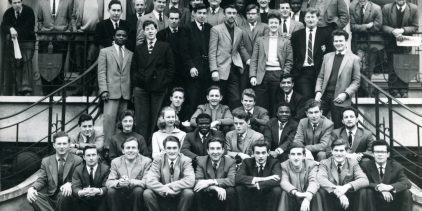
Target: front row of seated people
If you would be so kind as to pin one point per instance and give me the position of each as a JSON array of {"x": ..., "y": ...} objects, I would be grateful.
[{"x": 260, "y": 182}]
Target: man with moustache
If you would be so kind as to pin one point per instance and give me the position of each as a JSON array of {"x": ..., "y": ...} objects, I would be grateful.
[
  {"x": 215, "y": 173},
  {"x": 88, "y": 135},
  {"x": 293, "y": 99},
  {"x": 126, "y": 182},
  {"x": 170, "y": 179},
  {"x": 280, "y": 132},
  {"x": 52, "y": 191},
  {"x": 258, "y": 181},
  {"x": 89, "y": 182}
]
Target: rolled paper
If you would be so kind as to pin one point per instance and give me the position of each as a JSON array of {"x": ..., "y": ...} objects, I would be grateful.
[{"x": 16, "y": 48}]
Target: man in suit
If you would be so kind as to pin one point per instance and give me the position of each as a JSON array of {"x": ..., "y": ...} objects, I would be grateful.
[
  {"x": 263, "y": 10},
  {"x": 52, "y": 190},
  {"x": 195, "y": 143},
  {"x": 314, "y": 131},
  {"x": 309, "y": 46},
  {"x": 288, "y": 25},
  {"x": 226, "y": 52},
  {"x": 185, "y": 15},
  {"x": 105, "y": 30},
  {"x": 239, "y": 141},
  {"x": 157, "y": 16},
  {"x": 272, "y": 57},
  {"x": 258, "y": 116},
  {"x": 170, "y": 179},
  {"x": 114, "y": 81},
  {"x": 152, "y": 72},
  {"x": 299, "y": 182},
  {"x": 341, "y": 178},
  {"x": 258, "y": 181},
  {"x": 127, "y": 180},
  {"x": 54, "y": 17},
  {"x": 339, "y": 78},
  {"x": 388, "y": 185},
  {"x": 280, "y": 132},
  {"x": 215, "y": 173},
  {"x": 89, "y": 182},
  {"x": 215, "y": 14},
  {"x": 197, "y": 63},
  {"x": 359, "y": 139},
  {"x": 293, "y": 99},
  {"x": 297, "y": 13},
  {"x": 132, "y": 21},
  {"x": 88, "y": 135},
  {"x": 400, "y": 18}
]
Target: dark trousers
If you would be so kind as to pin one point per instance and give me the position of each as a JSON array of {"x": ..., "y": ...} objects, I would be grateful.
[
  {"x": 266, "y": 92},
  {"x": 196, "y": 91},
  {"x": 180, "y": 202},
  {"x": 401, "y": 201},
  {"x": 258, "y": 200},
  {"x": 147, "y": 109},
  {"x": 230, "y": 88},
  {"x": 332, "y": 203},
  {"x": 208, "y": 200},
  {"x": 327, "y": 105},
  {"x": 305, "y": 82},
  {"x": 97, "y": 203},
  {"x": 59, "y": 202},
  {"x": 125, "y": 199},
  {"x": 292, "y": 203}
]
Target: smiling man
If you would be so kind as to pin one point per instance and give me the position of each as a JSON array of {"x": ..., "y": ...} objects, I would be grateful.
[
  {"x": 287, "y": 95},
  {"x": 157, "y": 15},
  {"x": 88, "y": 136},
  {"x": 104, "y": 31},
  {"x": 258, "y": 116}
]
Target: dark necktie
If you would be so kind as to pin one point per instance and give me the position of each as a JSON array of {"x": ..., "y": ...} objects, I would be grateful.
[
  {"x": 17, "y": 15},
  {"x": 60, "y": 173},
  {"x": 91, "y": 177},
  {"x": 249, "y": 114},
  {"x": 160, "y": 16},
  {"x": 171, "y": 168},
  {"x": 314, "y": 127},
  {"x": 213, "y": 11},
  {"x": 381, "y": 173},
  {"x": 281, "y": 127},
  {"x": 54, "y": 7},
  {"x": 202, "y": 26},
  {"x": 339, "y": 170},
  {"x": 350, "y": 139},
  {"x": 261, "y": 171},
  {"x": 214, "y": 166},
  {"x": 284, "y": 26},
  {"x": 239, "y": 141},
  {"x": 400, "y": 9},
  {"x": 150, "y": 47},
  {"x": 116, "y": 26},
  {"x": 361, "y": 14},
  {"x": 287, "y": 98},
  {"x": 310, "y": 55}
]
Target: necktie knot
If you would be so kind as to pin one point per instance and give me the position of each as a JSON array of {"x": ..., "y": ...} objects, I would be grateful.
[
  {"x": 160, "y": 16},
  {"x": 261, "y": 170},
  {"x": 339, "y": 168},
  {"x": 171, "y": 167},
  {"x": 314, "y": 126},
  {"x": 381, "y": 172},
  {"x": 281, "y": 126}
]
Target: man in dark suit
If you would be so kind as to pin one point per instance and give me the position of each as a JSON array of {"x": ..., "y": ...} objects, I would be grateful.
[
  {"x": 309, "y": 46},
  {"x": 258, "y": 116},
  {"x": 152, "y": 72},
  {"x": 258, "y": 181},
  {"x": 360, "y": 140},
  {"x": 89, "y": 182},
  {"x": 105, "y": 30},
  {"x": 339, "y": 78},
  {"x": 280, "y": 132},
  {"x": 388, "y": 185},
  {"x": 197, "y": 64},
  {"x": 55, "y": 177},
  {"x": 215, "y": 173},
  {"x": 287, "y": 95},
  {"x": 185, "y": 15}
]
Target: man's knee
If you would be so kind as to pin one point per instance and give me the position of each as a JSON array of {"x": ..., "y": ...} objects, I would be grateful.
[
  {"x": 148, "y": 195},
  {"x": 138, "y": 191},
  {"x": 187, "y": 193},
  {"x": 111, "y": 192},
  {"x": 321, "y": 156},
  {"x": 275, "y": 191}
]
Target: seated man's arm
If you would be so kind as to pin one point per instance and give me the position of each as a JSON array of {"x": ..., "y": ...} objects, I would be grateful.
[
  {"x": 188, "y": 180},
  {"x": 227, "y": 117},
  {"x": 242, "y": 176},
  {"x": 153, "y": 177},
  {"x": 313, "y": 184},
  {"x": 322, "y": 177},
  {"x": 402, "y": 182},
  {"x": 76, "y": 183},
  {"x": 360, "y": 179},
  {"x": 263, "y": 118},
  {"x": 229, "y": 147},
  {"x": 275, "y": 170},
  {"x": 41, "y": 181},
  {"x": 140, "y": 180}
]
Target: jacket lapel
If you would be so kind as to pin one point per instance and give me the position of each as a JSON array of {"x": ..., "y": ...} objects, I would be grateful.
[
  {"x": 330, "y": 60},
  {"x": 210, "y": 170},
  {"x": 334, "y": 172},
  {"x": 388, "y": 171},
  {"x": 374, "y": 173},
  {"x": 67, "y": 166},
  {"x": 85, "y": 175},
  {"x": 116, "y": 56},
  {"x": 166, "y": 170},
  {"x": 226, "y": 32},
  {"x": 125, "y": 59},
  {"x": 220, "y": 169},
  {"x": 345, "y": 60},
  {"x": 266, "y": 44},
  {"x": 357, "y": 140},
  {"x": 177, "y": 168},
  {"x": 154, "y": 52},
  {"x": 53, "y": 168},
  {"x": 406, "y": 15}
]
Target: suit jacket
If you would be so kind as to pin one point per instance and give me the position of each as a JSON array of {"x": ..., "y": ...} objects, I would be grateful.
[
  {"x": 298, "y": 41},
  {"x": 393, "y": 175},
  {"x": 303, "y": 181},
  {"x": 62, "y": 21},
  {"x": 362, "y": 142},
  {"x": 104, "y": 32},
  {"x": 223, "y": 52},
  {"x": 155, "y": 71},
  {"x": 271, "y": 134},
  {"x": 113, "y": 77},
  {"x": 240, "y": 20},
  {"x": 48, "y": 174},
  {"x": 185, "y": 15},
  {"x": 351, "y": 173},
  {"x": 80, "y": 179},
  {"x": 314, "y": 141},
  {"x": 215, "y": 19},
  {"x": 250, "y": 138},
  {"x": 373, "y": 14},
  {"x": 260, "y": 116},
  {"x": 248, "y": 170},
  {"x": 332, "y": 12},
  {"x": 96, "y": 139},
  {"x": 78, "y": 12},
  {"x": 296, "y": 104},
  {"x": 140, "y": 37},
  {"x": 348, "y": 79},
  {"x": 260, "y": 57},
  {"x": 198, "y": 48},
  {"x": 225, "y": 174},
  {"x": 159, "y": 174},
  {"x": 137, "y": 173},
  {"x": 24, "y": 24},
  {"x": 249, "y": 37},
  {"x": 294, "y": 26},
  {"x": 132, "y": 22},
  {"x": 193, "y": 146},
  {"x": 221, "y": 113}
]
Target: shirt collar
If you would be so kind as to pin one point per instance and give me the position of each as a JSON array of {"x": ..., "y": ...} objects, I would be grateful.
[
  {"x": 174, "y": 161},
  {"x": 140, "y": 15},
  {"x": 20, "y": 11},
  {"x": 250, "y": 110},
  {"x": 175, "y": 6},
  {"x": 153, "y": 41},
  {"x": 290, "y": 95},
  {"x": 199, "y": 24},
  {"x": 244, "y": 134},
  {"x": 279, "y": 123},
  {"x": 342, "y": 52},
  {"x": 313, "y": 29},
  {"x": 353, "y": 131},
  {"x": 65, "y": 157},
  {"x": 201, "y": 136},
  {"x": 216, "y": 9},
  {"x": 94, "y": 169},
  {"x": 264, "y": 11},
  {"x": 263, "y": 165},
  {"x": 117, "y": 46},
  {"x": 172, "y": 29},
  {"x": 157, "y": 15},
  {"x": 218, "y": 162},
  {"x": 383, "y": 166},
  {"x": 402, "y": 7},
  {"x": 114, "y": 22},
  {"x": 342, "y": 164}
]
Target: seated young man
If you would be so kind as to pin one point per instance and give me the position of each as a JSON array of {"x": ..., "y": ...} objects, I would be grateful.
[
  {"x": 258, "y": 181},
  {"x": 88, "y": 135},
  {"x": 215, "y": 173}
]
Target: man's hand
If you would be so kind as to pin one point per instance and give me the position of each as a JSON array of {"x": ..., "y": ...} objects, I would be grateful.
[
  {"x": 193, "y": 72},
  {"x": 305, "y": 205},
  {"x": 186, "y": 123},
  {"x": 318, "y": 96},
  {"x": 274, "y": 154},
  {"x": 253, "y": 81},
  {"x": 221, "y": 192},
  {"x": 384, "y": 188},
  {"x": 356, "y": 156},
  {"x": 370, "y": 25},
  {"x": 340, "y": 98},
  {"x": 105, "y": 96},
  {"x": 248, "y": 62},
  {"x": 66, "y": 189},
  {"x": 13, "y": 32},
  {"x": 341, "y": 190},
  {"x": 32, "y": 195},
  {"x": 215, "y": 76},
  {"x": 388, "y": 197},
  {"x": 344, "y": 201},
  {"x": 215, "y": 124},
  {"x": 202, "y": 184},
  {"x": 397, "y": 32},
  {"x": 83, "y": 192},
  {"x": 168, "y": 191},
  {"x": 123, "y": 182}
]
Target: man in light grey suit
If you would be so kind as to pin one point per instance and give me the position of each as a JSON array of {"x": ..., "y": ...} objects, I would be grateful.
[
  {"x": 226, "y": 52},
  {"x": 288, "y": 25},
  {"x": 157, "y": 15},
  {"x": 338, "y": 79},
  {"x": 114, "y": 81},
  {"x": 170, "y": 179},
  {"x": 126, "y": 181}
]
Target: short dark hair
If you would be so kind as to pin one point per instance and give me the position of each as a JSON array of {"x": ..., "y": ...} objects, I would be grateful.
[
  {"x": 250, "y": 93},
  {"x": 297, "y": 144},
  {"x": 199, "y": 6},
  {"x": 114, "y": 2},
  {"x": 175, "y": 10},
  {"x": 149, "y": 22},
  {"x": 312, "y": 103},
  {"x": 274, "y": 14},
  {"x": 251, "y": 7},
  {"x": 215, "y": 139},
  {"x": 128, "y": 140},
  {"x": 287, "y": 75},
  {"x": 177, "y": 89},
  {"x": 380, "y": 143},
  {"x": 312, "y": 10},
  {"x": 59, "y": 135},
  {"x": 340, "y": 32},
  {"x": 214, "y": 87},
  {"x": 89, "y": 147},
  {"x": 10, "y": 1},
  {"x": 121, "y": 28},
  {"x": 84, "y": 117},
  {"x": 123, "y": 115},
  {"x": 229, "y": 6},
  {"x": 349, "y": 108},
  {"x": 241, "y": 114},
  {"x": 260, "y": 143},
  {"x": 281, "y": 104},
  {"x": 340, "y": 142},
  {"x": 203, "y": 116},
  {"x": 171, "y": 139}
]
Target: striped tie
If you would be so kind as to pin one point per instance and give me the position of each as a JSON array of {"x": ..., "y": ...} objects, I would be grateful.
[
  {"x": 150, "y": 47},
  {"x": 310, "y": 59}
]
